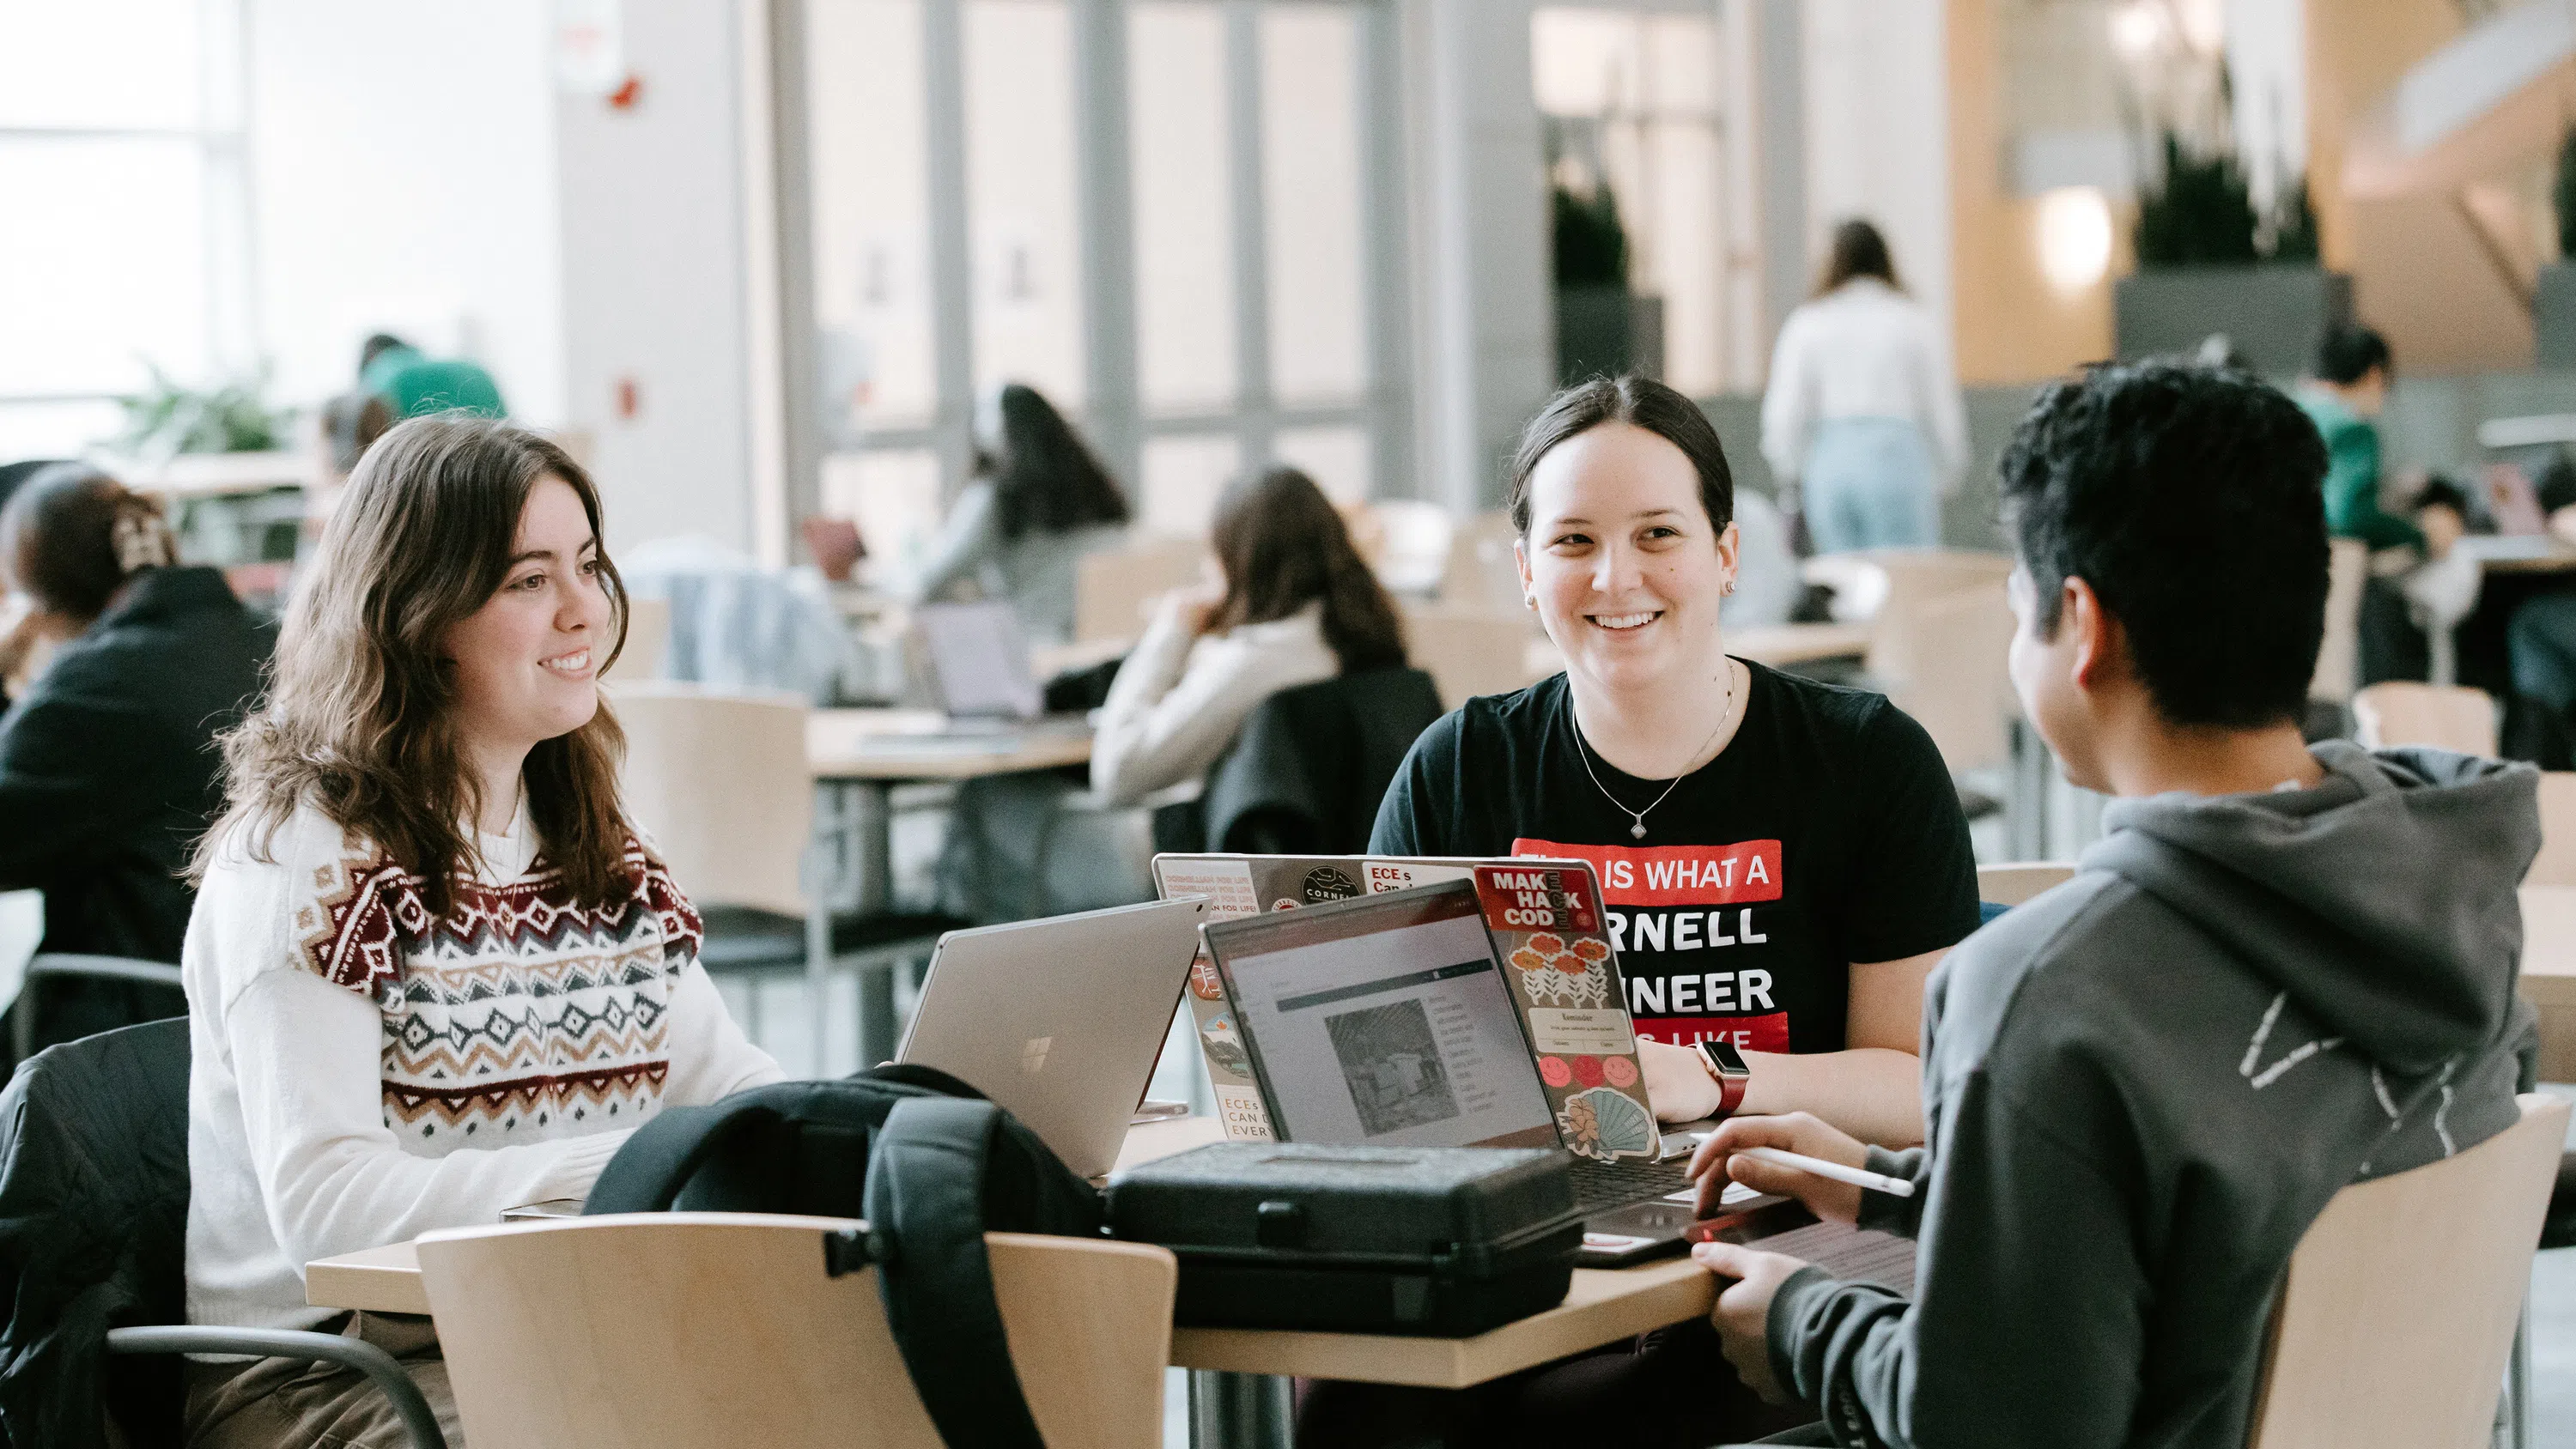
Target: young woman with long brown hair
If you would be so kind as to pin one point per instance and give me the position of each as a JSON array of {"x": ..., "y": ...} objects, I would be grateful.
[
  {"x": 1298, "y": 605},
  {"x": 433, "y": 972}
]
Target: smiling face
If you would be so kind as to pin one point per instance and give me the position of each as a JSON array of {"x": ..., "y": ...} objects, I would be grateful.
[
  {"x": 1622, "y": 559},
  {"x": 525, "y": 666}
]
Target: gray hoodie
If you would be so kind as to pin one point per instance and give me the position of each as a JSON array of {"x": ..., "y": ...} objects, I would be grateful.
[{"x": 2140, "y": 1088}]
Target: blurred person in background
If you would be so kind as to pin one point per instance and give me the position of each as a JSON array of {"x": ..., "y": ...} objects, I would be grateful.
[
  {"x": 1862, "y": 421},
  {"x": 2343, "y": 395},
  {"x": 106, "y": 768},
  {"x": 413, "y": 383},
  {"x": 1039, "y": 501},
  {"x": 1297, "y": 604},
  {"x": 343, "y": 428}
]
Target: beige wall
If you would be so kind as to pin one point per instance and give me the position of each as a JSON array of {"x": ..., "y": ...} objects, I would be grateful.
[{"x": 2012, "y": 325}]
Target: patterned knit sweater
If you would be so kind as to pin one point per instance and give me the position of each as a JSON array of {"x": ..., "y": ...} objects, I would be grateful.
[{"x": 364, "y": 1071}]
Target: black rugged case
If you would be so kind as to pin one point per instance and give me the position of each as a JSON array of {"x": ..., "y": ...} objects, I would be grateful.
[{"x": 1434, "y": 1242}]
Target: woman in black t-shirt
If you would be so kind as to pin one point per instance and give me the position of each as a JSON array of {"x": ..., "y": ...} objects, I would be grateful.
[{"x": 1784, "y": 861}]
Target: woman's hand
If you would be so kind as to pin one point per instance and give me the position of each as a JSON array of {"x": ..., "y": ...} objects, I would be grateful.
[
  {"x": 1193, "y": 606},
  {"x": 1677, "y": 1082},
  {"x": 1716, "y": 1163}
]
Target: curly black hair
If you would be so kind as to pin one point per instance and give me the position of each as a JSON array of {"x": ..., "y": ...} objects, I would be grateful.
[{"x": 2190, "y": 499}]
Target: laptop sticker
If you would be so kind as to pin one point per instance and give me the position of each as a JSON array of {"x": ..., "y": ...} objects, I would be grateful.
[{"x": 1546, "y": 922}]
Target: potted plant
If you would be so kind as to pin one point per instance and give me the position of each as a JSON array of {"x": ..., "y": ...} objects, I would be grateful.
[{"x": 2210, "y": 264}]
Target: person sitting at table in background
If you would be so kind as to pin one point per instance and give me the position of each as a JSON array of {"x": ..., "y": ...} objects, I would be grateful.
[
  {"x": 1862, "y": 421},
  {"x": 2252, "y": 956},
  {"x": 106, "y": 771},
  {"x": 1296, "y": 604},
  {"x": 2344, "y": 394},
  {"x": 433, "y": 972},
  {"x": 1039, "y": 501},
  {"x": 1782, "y": 862},
  {"x": 2540, "y": 637},
  {"x": 343, "y": 429}
]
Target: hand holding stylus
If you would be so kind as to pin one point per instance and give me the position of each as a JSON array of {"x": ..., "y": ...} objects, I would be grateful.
[{"x": 1724, "y": 1155}]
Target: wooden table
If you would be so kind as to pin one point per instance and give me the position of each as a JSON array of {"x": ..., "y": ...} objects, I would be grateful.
[
  {"x": 857, "y": 757},
  {"x": 1603, "y": 1306},
  {"x": 2549, "y": 974}
]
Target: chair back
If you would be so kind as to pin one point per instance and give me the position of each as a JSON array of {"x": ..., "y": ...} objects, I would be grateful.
[
  {"x": 107, "y": 1226},
  {"x": 1307, "y": 773},
  {"x": 2556, "y": 863},
  {"x": 2441, "y": 716},
  {"x": 1469, "y": 652},
  {"x": 720, "y": 783},
  {"x": 2339, "y": 658},
  {"x": 1114, "y": 587},
  {"x": 648, "y": 639},
  {"x": 1944, "y": 658},
  {"x": 2010, "y": 885},
  {"x": 681, "y": 1330},
  {"x": 2398, "y": 1312},
  {"x": 1480, "y": 576}
]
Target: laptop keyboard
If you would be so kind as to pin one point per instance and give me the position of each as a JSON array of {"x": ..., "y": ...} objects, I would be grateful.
[{"x": 1599, "y": 1186}]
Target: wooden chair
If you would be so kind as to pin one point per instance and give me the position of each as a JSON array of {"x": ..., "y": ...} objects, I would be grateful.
[
  {"x": 2010, "y": 885},
  {"x": 2339, "y": 658},
  {"x": 648, "y": 639},
  {"x": 2397, "y": 1317},
  {"x": 720, "y": 782},
  {"x": 1944, "y": 659},
  {"x": 1470, "y": 652},
  {"x": 687, "y": 1330},
  {"x": 2556, "y": 863},
  {"x": 2442, "y": 716},
  {"x": 1480, "y": 577},
  {"x": 1114, "y": 587}
]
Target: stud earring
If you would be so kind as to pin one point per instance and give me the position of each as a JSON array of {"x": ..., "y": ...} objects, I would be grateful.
[{"x": 1530, "y": 599}]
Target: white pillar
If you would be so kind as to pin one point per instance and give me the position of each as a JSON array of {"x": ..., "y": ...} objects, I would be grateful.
[{"x": 1488, "y": 336}]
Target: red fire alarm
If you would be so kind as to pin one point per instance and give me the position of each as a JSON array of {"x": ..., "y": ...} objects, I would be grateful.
[{"x": 624, "y": 97}]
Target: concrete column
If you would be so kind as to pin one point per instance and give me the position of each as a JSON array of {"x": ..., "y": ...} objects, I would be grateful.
[{"x": 1487, "y": 360}]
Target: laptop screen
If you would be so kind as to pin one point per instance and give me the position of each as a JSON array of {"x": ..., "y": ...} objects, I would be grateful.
[
  {"x": 1383, "y": 1020},
  {"x": 979, "y": 660}
]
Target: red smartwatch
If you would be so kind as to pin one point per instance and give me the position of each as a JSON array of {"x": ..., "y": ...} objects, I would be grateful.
[{"x": 1727, "y": 1065}]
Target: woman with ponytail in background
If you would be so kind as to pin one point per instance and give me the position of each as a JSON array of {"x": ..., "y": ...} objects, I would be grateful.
[
  {"x": 122, "y": 668},
  {"x": 1298, "y": 605}
]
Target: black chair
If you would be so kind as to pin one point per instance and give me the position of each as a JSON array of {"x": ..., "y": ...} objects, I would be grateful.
[
  {"x": 93, "y": 1241},
  {"x": 1305, "y": 775},
  {"x": 60, "y": 967}
]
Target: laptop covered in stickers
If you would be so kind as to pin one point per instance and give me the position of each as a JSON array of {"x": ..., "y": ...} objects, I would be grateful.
[{"x": 1482, "y": 1007}]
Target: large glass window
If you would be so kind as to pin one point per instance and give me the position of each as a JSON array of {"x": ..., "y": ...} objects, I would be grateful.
[
  {"x": 1234, "y": 288},
  {"x": 120, "y": 147}
]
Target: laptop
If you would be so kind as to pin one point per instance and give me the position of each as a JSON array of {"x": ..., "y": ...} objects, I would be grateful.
[
  {"x": 975, "y": 658},
  {"x": 1059, "y": 1020},
  {"x": 1385, "y": 1020}
]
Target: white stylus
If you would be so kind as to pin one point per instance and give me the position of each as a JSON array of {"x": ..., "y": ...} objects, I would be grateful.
[{"x": 1856, "y": 1176}]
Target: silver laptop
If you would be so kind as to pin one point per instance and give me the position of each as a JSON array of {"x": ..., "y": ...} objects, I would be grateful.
[
  {"x": 977, "y": 660},
  {"x": 1060, "y": 1020}
]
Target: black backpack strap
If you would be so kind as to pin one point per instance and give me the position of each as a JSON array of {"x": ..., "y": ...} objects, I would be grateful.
[
  {"x": 925, "y": 1198},
  {"x": 928, "y": 1079},
  {"x": 647, "y": 1173}
]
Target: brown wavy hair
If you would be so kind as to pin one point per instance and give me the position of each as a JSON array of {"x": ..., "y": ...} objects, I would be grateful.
[
  {"x": 1282, "y": 547},
  {"x": 358, "y": 722}
]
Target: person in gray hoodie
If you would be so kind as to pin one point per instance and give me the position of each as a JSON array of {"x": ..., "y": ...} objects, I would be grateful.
[{"x": 2284, "y": 969}]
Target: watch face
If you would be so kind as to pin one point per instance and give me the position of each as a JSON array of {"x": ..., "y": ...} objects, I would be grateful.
[{"x": 1724, "y": 1056}]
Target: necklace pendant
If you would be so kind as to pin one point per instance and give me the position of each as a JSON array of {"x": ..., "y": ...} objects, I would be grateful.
[{"x": 1638, "y": 830}]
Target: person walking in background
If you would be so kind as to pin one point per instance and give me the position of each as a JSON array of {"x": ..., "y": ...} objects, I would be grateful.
[
  {"x": 1862, "y": 422},
  {"x": 2343, "y": 395},
  {"x": 1039, "y": 501},
  {"x": 106, "y": 775}
]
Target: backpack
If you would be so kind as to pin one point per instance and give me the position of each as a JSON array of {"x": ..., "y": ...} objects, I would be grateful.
[{"x": 928, "y": 1163}]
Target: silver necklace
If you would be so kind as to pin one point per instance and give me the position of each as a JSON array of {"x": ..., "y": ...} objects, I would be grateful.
[{"x": 1637, "y": 818}]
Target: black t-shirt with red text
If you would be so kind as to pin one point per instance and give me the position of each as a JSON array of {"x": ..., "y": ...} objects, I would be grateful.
[{"x": 1827, "y": 832}]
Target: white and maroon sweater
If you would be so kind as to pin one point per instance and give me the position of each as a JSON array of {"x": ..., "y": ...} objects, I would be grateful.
[{"x": 364, "y": 1071}]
